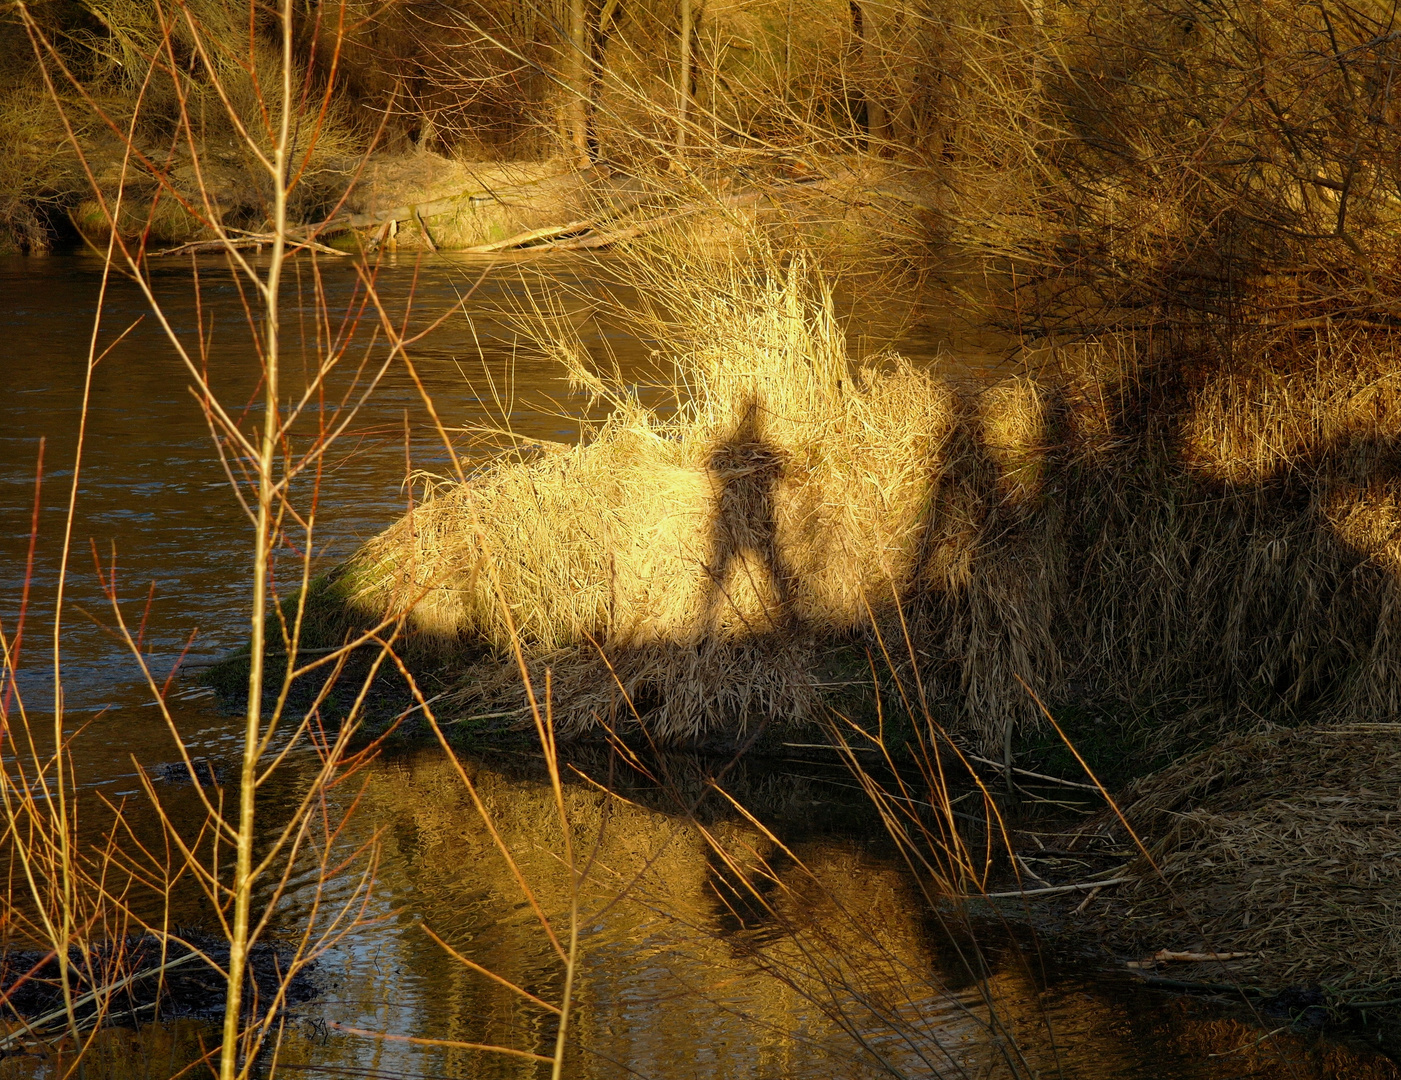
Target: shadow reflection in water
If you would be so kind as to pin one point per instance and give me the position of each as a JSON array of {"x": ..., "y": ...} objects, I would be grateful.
[
  {"x": 840, "y": 971},
  {"x": 711, "y": 948}
]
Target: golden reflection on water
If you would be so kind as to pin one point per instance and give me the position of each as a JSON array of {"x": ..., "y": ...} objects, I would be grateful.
[
  {"x": 840, "y": 971},
  {"x": 832, "y": 965}
]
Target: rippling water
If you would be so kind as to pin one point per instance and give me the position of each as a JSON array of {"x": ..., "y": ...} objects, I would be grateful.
[{"x": 846, "y": 972}]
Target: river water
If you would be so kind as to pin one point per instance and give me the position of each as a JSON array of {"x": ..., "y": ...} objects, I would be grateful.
[{"x": 846, "y": 971}]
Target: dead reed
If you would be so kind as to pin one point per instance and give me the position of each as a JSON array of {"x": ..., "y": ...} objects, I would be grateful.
[
  {"x": 701, "y": 556},
  {"x": 99, "y": 914},
  {"x": 1175, "y": 545},
  {"x": 1279, "y": 847}
]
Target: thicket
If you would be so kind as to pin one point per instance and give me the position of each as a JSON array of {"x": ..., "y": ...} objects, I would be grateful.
[
  {"x": 751, "y": 87},
  {"x": 1184, "y": 518},
  {"x": 1119, "y": 163}
]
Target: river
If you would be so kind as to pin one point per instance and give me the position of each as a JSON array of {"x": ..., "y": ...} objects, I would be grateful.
[{"x": 846, "y": 971}]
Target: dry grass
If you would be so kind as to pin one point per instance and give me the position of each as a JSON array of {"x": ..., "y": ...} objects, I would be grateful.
[
  {"x": 187, "y": 82},
  {"x": 1281, "y": 845},
  {"x": 37, "y": 171},
  {"x": 1236, "y": 530},
  {"x": 703, "y": 554},
  {"x": 1183, "y": 548}
]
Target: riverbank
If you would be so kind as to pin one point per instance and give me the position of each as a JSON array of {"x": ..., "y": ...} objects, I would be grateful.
[
  {"x": 1174, "y": 556},
  {"x": 1274, "y": 851},
  {"x": 422, "y": 201},
  {"x": 1161, "y": 550}
]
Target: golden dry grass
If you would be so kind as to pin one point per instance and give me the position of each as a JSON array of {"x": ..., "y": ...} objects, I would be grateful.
[
  {"x": 703, "y": 554},
  {"x": 1184, "y": 546}
]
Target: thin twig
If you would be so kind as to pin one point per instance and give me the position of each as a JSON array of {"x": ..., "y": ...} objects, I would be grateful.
[{"x": 1079, "y": 886}]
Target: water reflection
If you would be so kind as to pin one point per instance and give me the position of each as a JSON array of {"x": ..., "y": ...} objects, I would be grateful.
[
  {"x": 154, "y": 494},
  {"x": 842, "y": 972}
]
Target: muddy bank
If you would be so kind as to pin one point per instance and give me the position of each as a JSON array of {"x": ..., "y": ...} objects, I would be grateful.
[{"x": 422, "y": 201}]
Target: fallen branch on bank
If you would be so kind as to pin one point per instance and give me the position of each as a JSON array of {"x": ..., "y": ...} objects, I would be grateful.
[
  {"x": 431, "y": 208},
  {"x": 1163, "y": 956},
  {"x": 1000, "y": 767},
  {"x": 550, "y": 232},
  {"x": 1079, "y": 886},
  {"x": 415, "y": 212},
  {"x": 582, "y": 234}
]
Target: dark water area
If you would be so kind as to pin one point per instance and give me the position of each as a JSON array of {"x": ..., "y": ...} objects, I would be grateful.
[
  {"x": 844, "y": 971},
  {"x": 153, "y": 491}
]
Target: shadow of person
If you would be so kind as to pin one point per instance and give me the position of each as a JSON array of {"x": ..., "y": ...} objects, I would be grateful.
[{"x": 749, "y": 582}]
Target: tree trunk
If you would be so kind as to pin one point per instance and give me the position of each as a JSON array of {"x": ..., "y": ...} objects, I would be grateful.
[
  {"x": 576, "y": 80},
  {"x": 602, "y": 33},
  {"x": 868, "y": 60}
]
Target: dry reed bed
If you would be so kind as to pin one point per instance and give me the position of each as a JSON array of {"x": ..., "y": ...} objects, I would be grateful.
[
  {"x": 1281, "y": 845},
  {"x": 1186, "y": 546},
  {"x": 704, "y": 555}
]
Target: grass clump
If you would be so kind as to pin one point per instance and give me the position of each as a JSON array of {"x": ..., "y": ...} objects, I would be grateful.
[
  {"x": 1162, "y": 546},
  {"x": 190, "y": 87},
  {"x": 1277, "y": 846},
  {"x": 694, "y": 561}
]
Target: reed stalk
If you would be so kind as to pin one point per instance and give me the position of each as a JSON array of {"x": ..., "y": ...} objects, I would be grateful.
[
  {"x": 240, "y": 861},
  {"x": 254, "y": 737}
]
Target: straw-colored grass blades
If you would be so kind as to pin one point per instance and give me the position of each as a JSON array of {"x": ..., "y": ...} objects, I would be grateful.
[
  {"x": 1280, "y": 847},
  {"x": 1178, "y": 544},
  {"x": 703, "y": 556}
]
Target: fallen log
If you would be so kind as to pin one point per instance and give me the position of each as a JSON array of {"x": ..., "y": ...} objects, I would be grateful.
[
  {"x": 530, "y": 236},
  {"x": 243, "y": 243},
  {"x": 582, "y": 234},
  {"x": 1164, "y": 956}
]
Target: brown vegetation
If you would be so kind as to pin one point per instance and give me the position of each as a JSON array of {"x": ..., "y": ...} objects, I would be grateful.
[
  {"x": 427, "y": 90},
  {"x": 1179, "y": 519},
  {"x": 1277, "y": 849},
  {"x": 704, "y": 554},
  {"x": 1180, "y": 548},
  {"x": 1138, "y": 162}
]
